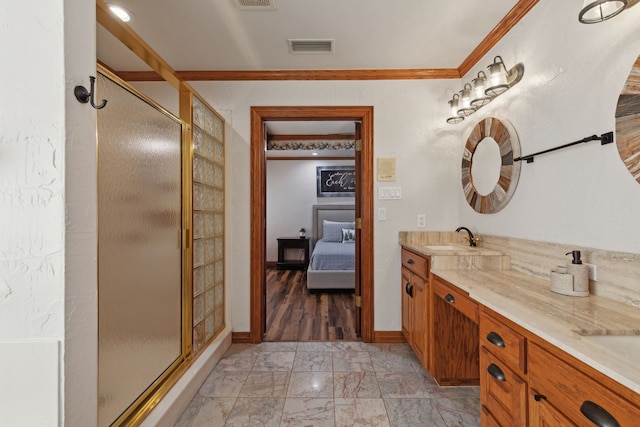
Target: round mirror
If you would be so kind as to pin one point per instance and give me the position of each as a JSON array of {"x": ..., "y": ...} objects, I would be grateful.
[
  {"x": 489, "y": 174},
  {"x": 485, "y": 166},
  {"x": 628, "y": 122}
]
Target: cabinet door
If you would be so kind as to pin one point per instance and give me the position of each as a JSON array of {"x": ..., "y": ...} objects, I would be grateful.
[
  {"x": 419, "y": 318},
  {"x": 406, "y": 304},
  {"x": 502, "y": 391},
  {"x": 542, "y": 414},
  {"x": 577, "y": 393},
  {"x": 486, "y": 419},
  {"x": 455, "y": 344}
]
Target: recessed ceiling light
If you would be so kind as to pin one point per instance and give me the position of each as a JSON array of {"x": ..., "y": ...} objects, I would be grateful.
[
  {"x": 120, "y": 12},
  {"x": 314, "y": 154}
]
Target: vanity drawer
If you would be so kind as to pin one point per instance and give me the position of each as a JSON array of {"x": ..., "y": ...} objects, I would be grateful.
[
  {"x": 416, "y": 263},
  {"x": 456, "y": 298},
  {"x": 574, "y": 392},
  {"x": 501, "y": 340},
  {"x": 503, "y": 392}
]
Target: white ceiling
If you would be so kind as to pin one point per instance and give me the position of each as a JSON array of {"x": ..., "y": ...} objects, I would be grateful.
[{"x": 369, "y": 34}]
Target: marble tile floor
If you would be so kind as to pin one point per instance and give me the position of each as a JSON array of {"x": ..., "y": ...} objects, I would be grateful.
[{"x": 327, "y": 384}]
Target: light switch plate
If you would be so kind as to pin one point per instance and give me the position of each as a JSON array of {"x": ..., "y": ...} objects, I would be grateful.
[
  {"x": 382, "y": 214},
  {"x": 389, "y": 193}
]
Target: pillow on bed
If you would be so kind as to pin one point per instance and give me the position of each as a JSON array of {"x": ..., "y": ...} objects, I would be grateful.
[
  {"x": 348, "y": 235},
  {"x": 332, "y": 230}
]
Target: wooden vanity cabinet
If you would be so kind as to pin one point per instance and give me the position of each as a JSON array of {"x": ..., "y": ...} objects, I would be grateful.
[
  {"x": 415, "y": 271},
  {"x": 503, "y": 386},
  {"x": 526, "y": 381},
  {"x": 454, "y": 335},
  {"x": 564, "y": 391}
]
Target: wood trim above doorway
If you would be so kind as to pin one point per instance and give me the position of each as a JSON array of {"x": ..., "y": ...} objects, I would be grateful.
[{"x": 362, "y": 114}]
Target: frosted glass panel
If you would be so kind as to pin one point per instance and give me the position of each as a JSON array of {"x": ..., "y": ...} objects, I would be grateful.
[{"x": 139, "y": 257}]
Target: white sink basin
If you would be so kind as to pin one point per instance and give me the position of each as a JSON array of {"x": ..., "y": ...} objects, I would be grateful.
[{"x": 445, "y": 247}]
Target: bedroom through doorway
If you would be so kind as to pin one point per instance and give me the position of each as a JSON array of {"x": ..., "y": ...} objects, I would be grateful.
[
  {"x": 291, "y": 189},
  {"x": 310, "y": 231}
]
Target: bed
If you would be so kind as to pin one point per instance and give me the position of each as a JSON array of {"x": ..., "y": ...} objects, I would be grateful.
[{"x": 332, "y": 261}]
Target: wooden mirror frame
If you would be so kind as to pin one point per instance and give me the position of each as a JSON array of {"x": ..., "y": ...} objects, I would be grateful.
[
  {"x": 505, "y": 136},
  {"x": 628, "y": 122}
]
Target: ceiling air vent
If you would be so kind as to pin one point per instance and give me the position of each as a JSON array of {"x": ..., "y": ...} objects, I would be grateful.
[
  {"x": 311, "y": 46},
  {"x": 256, "y": 4}
]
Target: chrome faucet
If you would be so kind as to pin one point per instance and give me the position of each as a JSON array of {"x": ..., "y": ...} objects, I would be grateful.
[{"x": 472, "y": 240}]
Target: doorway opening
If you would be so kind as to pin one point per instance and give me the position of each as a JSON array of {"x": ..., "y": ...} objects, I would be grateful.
[
  {"x": 363, "y": 207},
  {"x": 310, "y": 283}
]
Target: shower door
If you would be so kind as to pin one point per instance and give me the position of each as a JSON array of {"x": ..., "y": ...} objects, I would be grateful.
[{"x": 140, "y": 339}]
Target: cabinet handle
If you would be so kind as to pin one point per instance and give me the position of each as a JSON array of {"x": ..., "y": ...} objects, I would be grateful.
[
  {"x": 409, "y": 261},
  {"x": 407, "y": 288},
  {"x": 496, "y": 372},
  {"x": 495, "y": 339},
  {"x": 449, "y": 298},
  {"x": 411, "y": 291},
  {"x": 539, "y": 397},
  {"x": 598, "y": 415}
]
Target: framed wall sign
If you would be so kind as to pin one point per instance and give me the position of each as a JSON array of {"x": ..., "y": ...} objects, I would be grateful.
[{"x": 336, "y": 181}]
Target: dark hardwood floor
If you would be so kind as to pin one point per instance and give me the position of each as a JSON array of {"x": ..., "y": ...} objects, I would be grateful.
[{"x": 296, "y": 314}]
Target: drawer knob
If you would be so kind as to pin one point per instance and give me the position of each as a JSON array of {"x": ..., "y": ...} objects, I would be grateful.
[
  {"x": 409, "y": 289},
  {"x": 495, "y": 339},
  {"x": 496, "y": 372},
  {"x": 409, "y": 261},
  {"x": 598, "y": 415},
  {"x": 539, "y": 397},
  {"x": 449, "y": 298}
]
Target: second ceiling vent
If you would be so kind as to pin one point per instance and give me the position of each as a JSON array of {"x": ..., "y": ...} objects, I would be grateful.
[
  {"x": 311, "y": 45},
  {"x": 256, "y": 4}
]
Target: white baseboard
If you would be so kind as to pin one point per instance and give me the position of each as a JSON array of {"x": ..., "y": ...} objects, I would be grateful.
[{"x": 29, "y": 383}]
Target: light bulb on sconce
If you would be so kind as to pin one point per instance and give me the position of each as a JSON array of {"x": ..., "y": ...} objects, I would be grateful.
[
  {"x": 497, "y": 78},
  {"x": 453, "y": 107},
  {"x": 479, "y": 98},
  {"x": 465, "y": 108}
]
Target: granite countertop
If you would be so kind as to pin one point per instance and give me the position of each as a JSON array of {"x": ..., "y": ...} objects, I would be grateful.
[{"x": 601, "y": 332}]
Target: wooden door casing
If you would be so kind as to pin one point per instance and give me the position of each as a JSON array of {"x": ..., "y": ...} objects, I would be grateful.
[{"x": 362, "y": 114}]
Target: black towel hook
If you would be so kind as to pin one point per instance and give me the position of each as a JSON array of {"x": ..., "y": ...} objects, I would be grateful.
[{"x": 84, "y": 96}]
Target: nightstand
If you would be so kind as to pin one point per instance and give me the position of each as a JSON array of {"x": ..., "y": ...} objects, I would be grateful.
[{"x": 293, "y": 253}]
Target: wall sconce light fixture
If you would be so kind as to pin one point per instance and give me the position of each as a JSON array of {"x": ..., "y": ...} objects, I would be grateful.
[
  {"x": 465, "y": 108},
  {"x": 453, "y": 107},
  {"x": 594, "y": 11},
  {"x": 483, "y": 89},
  {"x": 480, "y": 98}
]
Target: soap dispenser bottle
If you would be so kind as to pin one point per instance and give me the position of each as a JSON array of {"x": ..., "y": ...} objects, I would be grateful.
[{"x": 580, "y": 273}]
